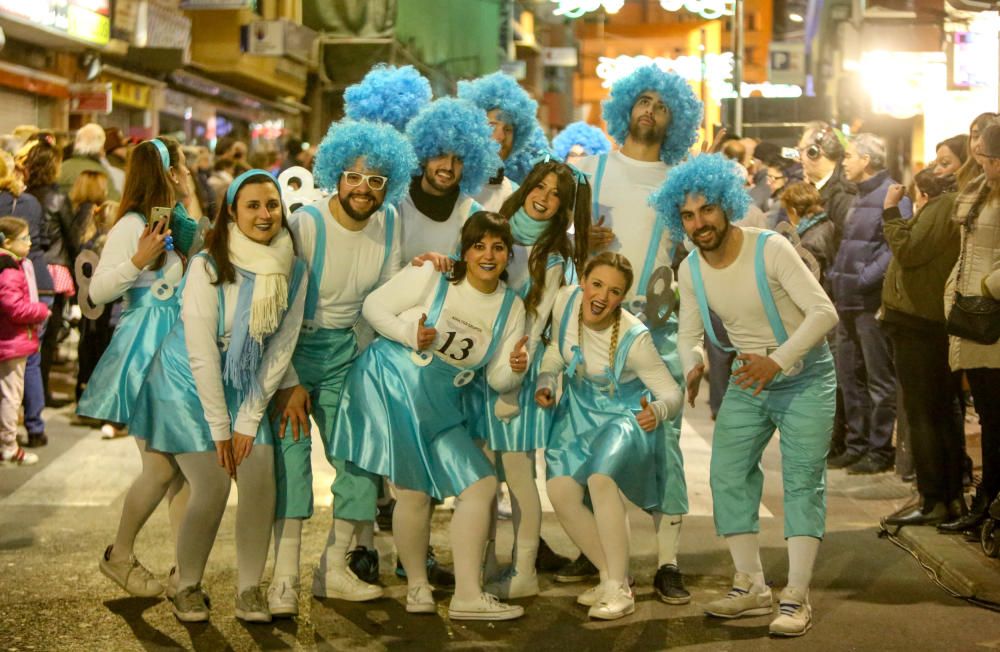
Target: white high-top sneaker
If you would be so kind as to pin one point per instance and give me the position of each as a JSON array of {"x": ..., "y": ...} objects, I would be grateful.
[{"x": 342, "y": 584}]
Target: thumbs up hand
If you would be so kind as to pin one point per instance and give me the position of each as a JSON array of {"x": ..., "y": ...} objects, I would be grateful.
[
  {"x": 647, "y": 417},
  {"x": 600, "y": 235},
  {"x": 519, "y": 356},
  {"x": 425, "y": 335}
]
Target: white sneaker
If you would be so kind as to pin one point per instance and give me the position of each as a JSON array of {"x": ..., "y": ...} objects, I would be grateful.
[
  {"x": 513, "y": 585},
  {"x": 251, "y": 606},
  {"x": 741, "y": 601},
  {"x": 283, "y": 597},
  {"x": 795, "y": 614},
  {"x": 19, "y": 457},
  {"x": 191, "y": 605},
  {"x": 420, "y": 600},
  {"x": 591, "y": 596},
  {"x": 616, "y": 602},
  {"x": 130, "y": 575},
  {"x": 484, "y": 607},
  {"x": 342, "y": 584}
]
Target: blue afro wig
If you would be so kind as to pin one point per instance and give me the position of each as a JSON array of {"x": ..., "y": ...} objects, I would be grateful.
[
  {"x": 459, "y": 127},
  {"x": 712, "y": 176},
  {"x": 517, "y": 166},
  {"x": 383, "y": 148},
  {"x": 388, "y": 94},
  {"x": 500, "y": 91},
  {"x": 587, "y": 136},
  {"x": 685, "y": 109}
]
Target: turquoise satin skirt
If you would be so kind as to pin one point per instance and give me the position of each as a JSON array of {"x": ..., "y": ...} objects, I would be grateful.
[
  {"x": 595, "y": 432},
  {"x": 527, "y": 431},
  {"x": 168, "y": 412},
  {"x": 405, "y": 422},
  {"x": 114, "y": 386}
]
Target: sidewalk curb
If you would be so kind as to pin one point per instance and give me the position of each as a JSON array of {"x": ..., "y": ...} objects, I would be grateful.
[{"x": 959, "y": 564}]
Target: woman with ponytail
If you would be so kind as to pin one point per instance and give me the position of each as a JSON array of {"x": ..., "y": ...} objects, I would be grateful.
[
  {"x": 552, "y": 202},
  {"x": 204, "y": 398},
  {"x": 616, "y": 392},
  {"x": 140, "y": 265}
]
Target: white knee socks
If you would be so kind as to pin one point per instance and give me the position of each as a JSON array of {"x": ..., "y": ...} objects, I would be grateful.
[
  {"x": 668, "y": 537},
  {"x": 338, "y": 541},
  {"x": 801, "y": 559},
  {"x": 745, "y": 550},
  {"x": 287, "y": 547}
]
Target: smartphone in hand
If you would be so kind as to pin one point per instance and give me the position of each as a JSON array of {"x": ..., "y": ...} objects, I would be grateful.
[{"x": 160, "y": 213}]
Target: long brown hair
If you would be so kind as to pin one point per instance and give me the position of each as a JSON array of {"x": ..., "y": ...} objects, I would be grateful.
[
  {"x": 147, "y": 184},
  {"x": 574, "y": 208},
  {"x": 479, "y": 225},
  {"x": 217, "y": 239},
  {"x": 971, "y": 168},
  {"x": 622, "y": 264}
]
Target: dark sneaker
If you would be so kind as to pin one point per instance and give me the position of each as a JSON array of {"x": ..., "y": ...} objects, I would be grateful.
[
  {"x": 578, "y": 570},
  {"x": 548, "y": 560},
  {"x": 37, "y": 440},
  {"x": 364, "y": 563},
  {"x": 843, "y": 460},
  {"x": 437, "y": 574},
  {"x": 669, "y": 585},
  {"x": 383, "y": 517},
  {"x": 868, "y": 465}
]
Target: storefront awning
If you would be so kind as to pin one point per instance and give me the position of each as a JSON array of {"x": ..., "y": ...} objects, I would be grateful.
[{"x": 33, "y": 81}]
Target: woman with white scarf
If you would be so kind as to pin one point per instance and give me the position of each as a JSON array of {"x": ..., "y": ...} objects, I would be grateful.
[{"x": 204, "y": 399}]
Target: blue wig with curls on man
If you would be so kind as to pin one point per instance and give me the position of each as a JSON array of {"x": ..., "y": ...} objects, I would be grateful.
[
  {"x": 685, "y": 109},
  {"x": 500, "y": 91},
  {"x": 517, "y": 166},
  {"x": 452, "y": 126},
  {"x": 383, "y": 148},
  {"x": 712, "y": 176},
  {"x": 388, "y": 94},
  {"x": 590, "y": 138}
]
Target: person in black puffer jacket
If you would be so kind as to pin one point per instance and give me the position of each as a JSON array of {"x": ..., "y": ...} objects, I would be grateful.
[{"x": 864, "y": 359}]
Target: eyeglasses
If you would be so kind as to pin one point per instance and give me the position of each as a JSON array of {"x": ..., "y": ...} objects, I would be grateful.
[{"x": 374, "y": 181}]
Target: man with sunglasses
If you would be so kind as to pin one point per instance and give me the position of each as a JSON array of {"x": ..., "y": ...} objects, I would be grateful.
[
  {"x": 351, "y": 244},
  {"x": 457, "y": 155}
]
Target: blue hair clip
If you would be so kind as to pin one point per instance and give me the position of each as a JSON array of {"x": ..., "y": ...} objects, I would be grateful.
[
  {"x": 162, "y": 150},
  {"x": 580, "y": 176},
  {"x": 234, "y": 187},
  {"x": 545, "y": 157}
]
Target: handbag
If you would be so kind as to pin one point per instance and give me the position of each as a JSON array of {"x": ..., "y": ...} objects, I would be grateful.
[
  {"x": 973, "y": 318},
  {"x": 62, "y": 280}
]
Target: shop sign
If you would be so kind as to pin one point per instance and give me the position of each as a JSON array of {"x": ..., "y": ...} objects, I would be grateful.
[
  {"x": 86, "y": 20},
  {"x": 90, "y": 98},
  {"x": 707, "y": 9},
  {"x": 559, "y": 57},
  {"x": 786, "y": 63},
  {"x": 130, "y": 94},
  {"x": 517, "y": 68},
  {"x": 577, "y": 8},
  {"x": 278, "y": 38}
]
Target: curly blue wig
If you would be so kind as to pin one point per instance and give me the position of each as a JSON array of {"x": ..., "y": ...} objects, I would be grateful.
[
  {"x": 388, "y": 94},
  {"x": 500, "y": 91},
  {"x": 712, "y": 176},
  {"x": 685, "y": 109},
  {"x": 449, "y": 125},
  {"x": 517, "y": 166},
  {"x": 383, "y": 148},
  {"x": 591, "y": 138}
]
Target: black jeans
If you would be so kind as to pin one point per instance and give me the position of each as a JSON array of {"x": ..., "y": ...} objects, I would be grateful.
[
  {"x": 985, "y": 385},
  {"x": 928, "y": 391}
]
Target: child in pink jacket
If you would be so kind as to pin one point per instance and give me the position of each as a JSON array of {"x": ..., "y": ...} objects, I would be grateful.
[{"x": 20, "y": 315}]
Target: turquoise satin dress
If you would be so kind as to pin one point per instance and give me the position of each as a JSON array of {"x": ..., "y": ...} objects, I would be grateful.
[
  {"x": 401, "y": 413},
  {"x": 149, "y": 315},
  {"x": 595, "y": 429},
  {"x": 168, "y": 412},
  {"x": 529, "y": 429}
]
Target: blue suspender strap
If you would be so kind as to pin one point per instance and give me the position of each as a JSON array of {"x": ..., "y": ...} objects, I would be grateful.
[
  {"x": 390, "y": 227},
  {"x": 439, "y": 296},
  {"x": 699, "y": 292},
  {"x": 647, "y": 268},
  {"x": 624, "y": 346},
  {"x": 602, "y": 161},
  {"x": 567, "y": 316},
  {"x": 770, "y": 308},
  {"x": 499, "y": 324},
  {"x": 318, "y": 263}
]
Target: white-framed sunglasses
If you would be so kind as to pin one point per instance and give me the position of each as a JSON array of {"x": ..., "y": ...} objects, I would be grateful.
[{"x": 374, "y": 181}]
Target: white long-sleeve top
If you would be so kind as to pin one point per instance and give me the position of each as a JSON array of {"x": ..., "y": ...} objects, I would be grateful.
[
  {"x": 421, "y": 234},
  {"x": 493, "y": 195},
  {"x": 352, "y": 264},
  {"x": 643, "y": 360},
  {"x": 518, "y": 277},
  {"x": 115, "y": 273},
  {"x": 623, "y": 203},
  {"x": 731, "y": 292},
  {"x": 464, "y": 328},
  {"x": 200, "y": 313}
]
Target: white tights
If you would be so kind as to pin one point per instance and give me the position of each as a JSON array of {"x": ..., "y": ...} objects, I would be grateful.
[
  {"x": 210, "y": 485},
  {"x": 566, "y": 495},
  {"x": 526, "y": 507},
  {"x": 160, "y": 477}
]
